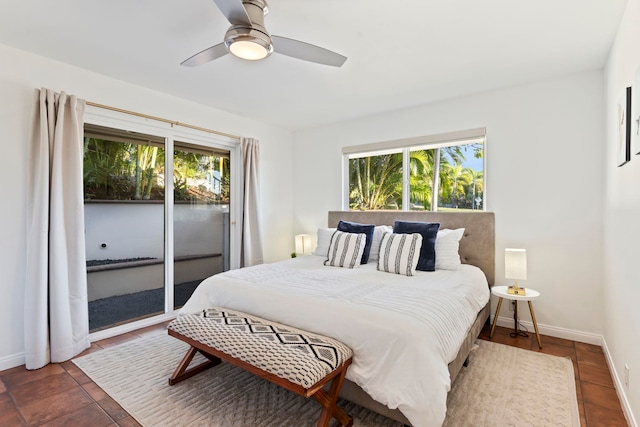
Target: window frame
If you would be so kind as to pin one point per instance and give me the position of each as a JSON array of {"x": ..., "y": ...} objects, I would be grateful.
[{"x": 406, "y": 145}]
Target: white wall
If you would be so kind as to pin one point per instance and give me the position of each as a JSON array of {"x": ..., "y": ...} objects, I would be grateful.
[
  {"x": 622, "y": 218},
  {"x": 20, "y": 73},
  {"x": 543, "y": 181}
]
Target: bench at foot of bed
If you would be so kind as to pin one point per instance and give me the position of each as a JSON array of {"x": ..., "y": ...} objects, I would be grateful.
[{"x": 297, "y": 360}]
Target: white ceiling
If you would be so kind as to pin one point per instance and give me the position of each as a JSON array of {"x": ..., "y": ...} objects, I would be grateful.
[{"x": 400, "y": 53}]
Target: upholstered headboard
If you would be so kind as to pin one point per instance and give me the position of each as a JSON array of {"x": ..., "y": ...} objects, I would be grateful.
[{"x": 477, "y": 247}]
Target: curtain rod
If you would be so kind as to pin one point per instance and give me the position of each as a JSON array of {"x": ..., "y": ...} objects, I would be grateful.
[{"x": 160, "y": 119}]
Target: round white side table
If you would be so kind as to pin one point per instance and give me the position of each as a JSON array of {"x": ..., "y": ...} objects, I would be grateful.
[{"x": 531, "y": 295}]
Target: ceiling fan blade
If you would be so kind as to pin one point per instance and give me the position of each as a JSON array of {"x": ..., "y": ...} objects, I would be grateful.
[
  {"x": 234, "y": 11},
  {"x": 209, "y": 54},
  {"x": 307, "y": 52}
]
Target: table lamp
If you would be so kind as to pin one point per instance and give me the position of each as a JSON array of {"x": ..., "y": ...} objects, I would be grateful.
[
  {"x": 515, "y": 267},
  {"x": 303, "y": 244}
]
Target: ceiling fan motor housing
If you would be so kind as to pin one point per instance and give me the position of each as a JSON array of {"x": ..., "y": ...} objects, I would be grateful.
[{"x": 256, "y": 33}]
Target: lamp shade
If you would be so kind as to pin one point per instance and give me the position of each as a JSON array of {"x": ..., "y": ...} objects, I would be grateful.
[
  {"x": 515, "y": 264},
  {"x": 303, "y": 243}
]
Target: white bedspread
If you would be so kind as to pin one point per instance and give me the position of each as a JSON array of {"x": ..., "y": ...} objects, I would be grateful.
[{"x": 404, "y": 331}]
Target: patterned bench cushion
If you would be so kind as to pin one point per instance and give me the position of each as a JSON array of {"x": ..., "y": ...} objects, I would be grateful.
[{"x": 302, "y": 357}]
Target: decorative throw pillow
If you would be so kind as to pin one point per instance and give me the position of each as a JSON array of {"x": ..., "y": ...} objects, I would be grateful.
[
  {"x": 346, "y": 249},
  {"x": 399, "y": 253},
  {"x": 447, "y": 246},
  {"x": 428, "y": 231},
  {"x": 354, "y": 227},
  {"x": 378, "y": 232},
  {"x": 324, "y": 240}
]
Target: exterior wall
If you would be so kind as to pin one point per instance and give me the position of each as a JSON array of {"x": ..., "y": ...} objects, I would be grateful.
[{"x": 132, "y": 230}]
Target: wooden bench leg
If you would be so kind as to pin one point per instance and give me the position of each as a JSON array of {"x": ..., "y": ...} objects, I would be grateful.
[
  {"x": 328, "y": 402},
  {"x": 182, "y": 373}
]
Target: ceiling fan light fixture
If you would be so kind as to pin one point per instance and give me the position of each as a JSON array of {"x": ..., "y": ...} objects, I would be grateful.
[
  {"x": 249, "y": 50},
  {"x": 249, "y": 44}
]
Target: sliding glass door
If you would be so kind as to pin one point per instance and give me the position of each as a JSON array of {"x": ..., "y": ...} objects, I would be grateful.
[
  {"x": 152, "y": 197},
  {"x": 201, "y": 191},
  {"x": 124, "y": 225}
]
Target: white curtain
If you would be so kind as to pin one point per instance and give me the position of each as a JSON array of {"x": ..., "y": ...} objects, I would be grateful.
[
  {"x": 56, "y": 319},
  {"x": 251, "y": 250}
]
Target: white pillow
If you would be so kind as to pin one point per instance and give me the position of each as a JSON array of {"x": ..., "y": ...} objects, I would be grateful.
[
  {"x": 346, "y": 249},
  {"x": 324, "y": 240},
  {"x": 399, "y": 253},
  {"x": 447, "y": 245},
  {"x": 378, "y": 232}
]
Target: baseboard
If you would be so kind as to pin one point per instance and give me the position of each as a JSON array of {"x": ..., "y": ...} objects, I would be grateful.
[
  {"x": 554, "y": 331},
  {"x": 11, "y": 361},
  {"x": 619, "y": 384}
]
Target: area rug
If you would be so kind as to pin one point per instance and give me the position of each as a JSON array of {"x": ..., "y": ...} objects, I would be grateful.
[{"x": 503, "y": 386}]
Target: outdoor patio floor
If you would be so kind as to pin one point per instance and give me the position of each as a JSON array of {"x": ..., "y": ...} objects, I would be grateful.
[{"x": 113, "y": 311}]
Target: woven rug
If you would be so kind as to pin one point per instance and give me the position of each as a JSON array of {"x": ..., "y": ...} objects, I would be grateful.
[{"x": 503, "y": 386}]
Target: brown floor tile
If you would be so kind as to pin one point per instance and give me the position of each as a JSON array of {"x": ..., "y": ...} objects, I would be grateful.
[
  {"x": 12, "y": 370},
  {"x": 128, "y": 422},
  {"x": 94, "y": 391},
  {"x": 9, "y": 414},
  {"x": 55, "y": 406},
  {"x": 589, "y": 347},
  {"x": 598, "y": 416},
  {"x": 21, "y": 375},
  {"x": 546, "y": 339},
  {"x": 595, "y": 394},
  {"x": 579, "y": 398},
  {"x": 3, "y": 388},
  {"x": 11, "y": 418},
  {"x": 556, "y": 350},
  {"x": 35, "y": 391},
  {"x": 112, "y": 408},
  {"x": 591, "y": 358},
  {"x": 501, "y": 336},
  {"x": 600, "y": 376},
  {"x": 87, "y": 416},
  {"x": 75, "y": 372}
]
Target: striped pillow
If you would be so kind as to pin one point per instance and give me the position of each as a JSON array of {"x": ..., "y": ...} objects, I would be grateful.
[
  {"x": 346, "y": 249},
  {"x": 399, "y": 253}
]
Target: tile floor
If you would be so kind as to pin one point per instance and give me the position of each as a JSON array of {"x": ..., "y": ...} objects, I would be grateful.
[
  {"x": 597, "y": 398},
  {"x": 62, "y": 395}
]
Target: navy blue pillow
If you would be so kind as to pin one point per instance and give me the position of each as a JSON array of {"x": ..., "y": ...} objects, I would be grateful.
[
  {"x": 428, "y": 231},
  {"x": 354, "y": 227}
]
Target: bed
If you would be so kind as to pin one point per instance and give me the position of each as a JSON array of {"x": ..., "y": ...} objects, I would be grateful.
[{"x": 399, "y": 367}]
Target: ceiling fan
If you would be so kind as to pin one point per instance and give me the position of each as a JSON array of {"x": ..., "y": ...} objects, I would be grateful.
[{"x": 247, "y": 38}]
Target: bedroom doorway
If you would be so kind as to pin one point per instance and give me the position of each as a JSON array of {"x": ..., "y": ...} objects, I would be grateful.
[{"x": 159, "y": 219}]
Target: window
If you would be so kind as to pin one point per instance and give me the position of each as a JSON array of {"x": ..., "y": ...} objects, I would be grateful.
[
  {"x": 439, "y": 172},
  {"x": 159, "y": 214}
]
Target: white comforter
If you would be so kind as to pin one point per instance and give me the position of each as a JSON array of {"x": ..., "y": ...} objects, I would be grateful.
[{"x": 404, "y": 331}]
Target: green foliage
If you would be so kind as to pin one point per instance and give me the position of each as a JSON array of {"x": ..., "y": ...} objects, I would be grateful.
[
  {"x": 128, "y": 171},
  {"x": 375, "y": 182}
]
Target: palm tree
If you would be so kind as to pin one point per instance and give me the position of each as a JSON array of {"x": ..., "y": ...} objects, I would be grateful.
[
  {"x": 477, "y": 187},
  {"x": 458, "y": 177},
  {"x": 374, "y": 181}
]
